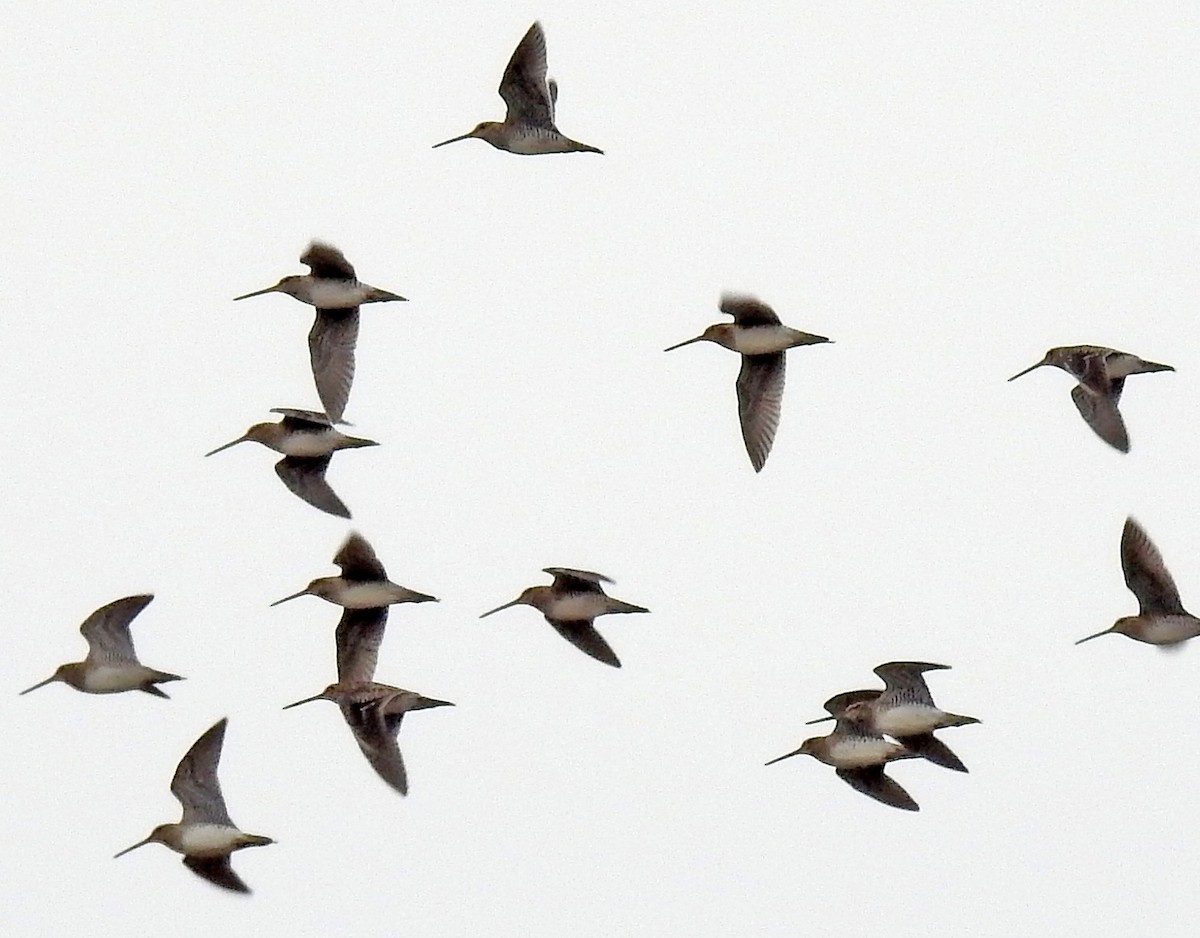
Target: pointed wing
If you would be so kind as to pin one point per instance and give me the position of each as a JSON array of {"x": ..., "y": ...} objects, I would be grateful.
[
  {"x": 1101, "y": 414},
  {"x": 928, "y": 746},
  {"x": 331, "y": 344},
  {"x": 748, "y": 311},
  {"x": 375, "y": 732},
  {"x": 218, "y": 871},
  {"x": 357, "y": 560},
  {"x": 874, "y": 783},
  {"x": 295, "y": 419},
  {"x": 327, "y": 262},
  {"x": 576, "y": 581},
  {"x": 523, "y": 87},
  {"x": 583, "y": 635},
  {"x": 305, "y": 476},
  {"x": 195, "y": 783},
  {"x": 1145, "y": 573},
  {"x": 358, "y": 637},
  {"x": 107, "y": 629},
  {"x": 904, "y": 683},
  {"x": 760, "y": 400}
]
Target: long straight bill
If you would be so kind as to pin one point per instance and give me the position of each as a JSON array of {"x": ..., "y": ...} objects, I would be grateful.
[
  {"x": 1026, "y": 371},
  {"x": 140, "y": 843},
  {"x": 246, "y": 296},
  {"x": 240, "y": 439},
  {"x": 304, "y": 701},
  {"x": 515, "y": 602}
]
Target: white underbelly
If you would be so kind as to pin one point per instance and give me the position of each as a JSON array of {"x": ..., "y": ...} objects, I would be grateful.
[
  {"x": 908, "y": 720},
  {"x": 309, "y": 444},
  {"x": 367, "y": 595},
  {"x": 761, "y": 340},
  {"x": 112, "y": 679},
  {"x": 858, "y": 752},
  {"x": 212, "y": 840},
  {"x": 336, "y": 294}
]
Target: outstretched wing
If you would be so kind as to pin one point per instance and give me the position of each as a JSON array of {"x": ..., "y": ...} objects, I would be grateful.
[
  {"x": 331, "y": 342},
  {"x": 576, "y": 581},
  {"x": 305, "y": 476},
  {"x": 904, "y": 681},
  {"x": 523, "y": 87},
  {"x": 1146, "y": 574},
  {"x": 928, "y": 746},
  {"x": 358, "y": 561},
  {"x": 218, "y": 871},
  {"x": 327, "y": 262},
  {"x": 375, "y": 732},
  {"x": 294, "y": 419},
  {"x": 875, "y": 783},
  {"x": 358, "y": 637},
  {"x": 760, "y": 402},
  {"x": 107, "y": 630},
  {"x": 195, "y": 783},
  {"x": 583, "y": 635},
  {"x": 1101, "y": 414},
  {"x": 747, "y": 310}
]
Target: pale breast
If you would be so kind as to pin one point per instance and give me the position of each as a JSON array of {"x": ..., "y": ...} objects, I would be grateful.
[
  {"x": 319, "y": 443},
  {"x": 113, "y": 679},
  {"x": 367, "y": 595},
  {"x": 856, "y": 752},
  {"x": 336, "y": 294},
  {"x": 908, "y": 720},
  {"x": 761, "y": 340},
  {"x": 577, "y": 606},
  {"x": 208, "y": 840}
]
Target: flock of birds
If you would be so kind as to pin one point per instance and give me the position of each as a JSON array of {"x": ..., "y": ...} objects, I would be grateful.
[{"x": 858, "y": 748}]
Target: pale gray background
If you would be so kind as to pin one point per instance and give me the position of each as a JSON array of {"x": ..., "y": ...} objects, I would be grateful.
[{"x": 946, "y": 189}]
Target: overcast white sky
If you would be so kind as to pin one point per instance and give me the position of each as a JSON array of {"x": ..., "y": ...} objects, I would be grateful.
[{"x": 945, "y": 189}]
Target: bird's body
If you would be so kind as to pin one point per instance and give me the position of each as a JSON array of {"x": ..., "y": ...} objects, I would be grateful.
[
  {"x": 845, "y": 750},
  {"x": 858, "y": 754},
  {"x": 1101, "y": 373},
  {"x": 333, "y": 288},
  {"x": 1161, "y": 618},
  {"x": 205, "y": 835},
  {"x": 528, "y": 127},
  {"x": 307, "y": 441},
  {"x": 570, "y": 604},
  {"x": 761, "y": 339},
  {"x": 905, "y": 710},
  {"x": 905, "y": 707},
  {"x": 364, "y": 583},
  {"x": 111, "y": 666},
  {"x": 373, "y": 711}
]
